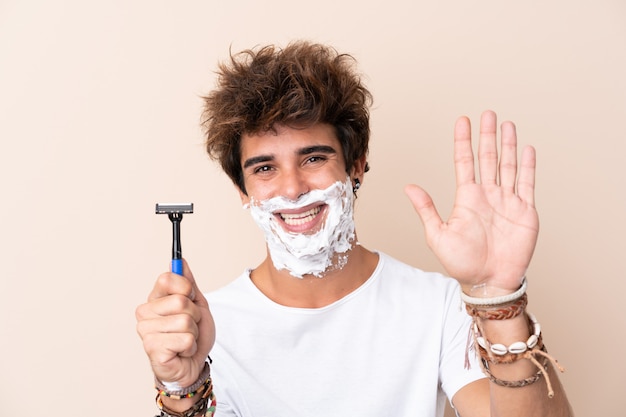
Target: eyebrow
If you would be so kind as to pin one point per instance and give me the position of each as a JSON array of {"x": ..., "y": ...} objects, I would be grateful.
[
  {"x": 317, "y": 149},
  {"x": 257, "y": 160},
  {"x": 303, "y": 151}
]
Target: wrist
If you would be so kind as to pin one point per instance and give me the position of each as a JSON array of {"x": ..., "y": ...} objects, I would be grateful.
[
  {"x": 177, "y": 401},
  {"x": 203, "y": 407},
  {"x": 497, "y": 284},
  {"x": 177, "y": 392},
  {"x": 484, "y": 295}
]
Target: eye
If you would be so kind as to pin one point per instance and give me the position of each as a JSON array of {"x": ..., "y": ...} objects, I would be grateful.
[
  {"x": 315, "y": 158},
  {"x": 262, "y": 168}
]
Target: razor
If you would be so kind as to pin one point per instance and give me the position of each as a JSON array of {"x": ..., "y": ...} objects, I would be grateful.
[{"x": 175, "y": 213}]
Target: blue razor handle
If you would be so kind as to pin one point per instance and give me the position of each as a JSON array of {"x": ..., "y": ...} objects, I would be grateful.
[{"x": 177, "y": 266}]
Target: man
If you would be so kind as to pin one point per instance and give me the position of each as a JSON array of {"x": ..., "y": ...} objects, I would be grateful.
[{"x": 324, "y": 326}]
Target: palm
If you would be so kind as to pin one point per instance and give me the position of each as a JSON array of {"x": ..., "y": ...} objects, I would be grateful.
[{"x": 492, "y": 230}]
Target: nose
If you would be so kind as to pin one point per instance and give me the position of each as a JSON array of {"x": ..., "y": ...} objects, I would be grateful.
[{"x": 292, "y": 185}]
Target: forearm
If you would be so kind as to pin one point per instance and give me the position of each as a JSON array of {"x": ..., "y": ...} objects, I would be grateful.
[
  {"x": 513, "y": 355},
  {"x": 544, "y": 397}
]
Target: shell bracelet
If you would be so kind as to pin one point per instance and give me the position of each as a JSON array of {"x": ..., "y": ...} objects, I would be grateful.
[{"x": 514, "y": 348}]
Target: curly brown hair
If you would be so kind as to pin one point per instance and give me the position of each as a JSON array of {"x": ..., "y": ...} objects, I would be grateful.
[{"x": 297, "y": 86}]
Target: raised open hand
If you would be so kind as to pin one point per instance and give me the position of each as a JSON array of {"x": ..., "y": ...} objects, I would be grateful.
[{"x": 491, "y": 234}]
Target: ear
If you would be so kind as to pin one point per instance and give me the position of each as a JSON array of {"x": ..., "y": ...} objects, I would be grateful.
[{"x": 358, "y": 168}]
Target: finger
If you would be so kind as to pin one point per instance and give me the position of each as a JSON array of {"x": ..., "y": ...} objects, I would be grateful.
[
  {"x": 170, "y": 283},
  {"x": 488, "y": 149},
  {"x": 169, "y": 306},
  {"x": 180, "y": 323},
  {"x": 196, "y": 295},
  {"x": 508, "y": 159},
  {"x": 425, "y": 208},
  {"x": 526, "y": 181},
  {"x": 163, "y": 347},
  {"x": 206, "y": 325},
  {"x": 463, "y": 155}
]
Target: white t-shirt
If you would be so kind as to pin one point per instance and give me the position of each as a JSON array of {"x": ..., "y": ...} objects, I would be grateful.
[{"x": 393, "y": 347}]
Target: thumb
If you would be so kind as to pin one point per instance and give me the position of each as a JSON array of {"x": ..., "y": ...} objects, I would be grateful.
[
  {"x": 206, "y": 327},
  {"x": 196, "y": 296},
  {"x": 424, "y": 206}
]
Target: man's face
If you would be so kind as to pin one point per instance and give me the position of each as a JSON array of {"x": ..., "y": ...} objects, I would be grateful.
[
  {"x": 290, "y": 163},
  {"x": 301, "y": 197}
]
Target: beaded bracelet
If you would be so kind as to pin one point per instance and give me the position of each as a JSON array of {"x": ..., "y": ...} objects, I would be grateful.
[
  {"x": 494, "y": 301},
  {"x": 200, "y": 408},
  {"x": 197, "y": 409}
]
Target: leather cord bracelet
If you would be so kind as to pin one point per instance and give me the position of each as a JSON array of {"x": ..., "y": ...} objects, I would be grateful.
[
  {"x": 514, "y": 384},
  {"x": 500, "y": 312}
]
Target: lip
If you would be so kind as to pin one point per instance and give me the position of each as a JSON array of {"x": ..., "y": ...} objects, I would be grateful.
[{"x": 303, "y": 219}]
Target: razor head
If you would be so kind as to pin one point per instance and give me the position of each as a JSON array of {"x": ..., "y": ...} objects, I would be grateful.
[{"x": 174, "y": 208}]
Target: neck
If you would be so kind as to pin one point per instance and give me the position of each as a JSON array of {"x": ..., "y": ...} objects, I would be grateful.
[{"x": 311, "y": 291}]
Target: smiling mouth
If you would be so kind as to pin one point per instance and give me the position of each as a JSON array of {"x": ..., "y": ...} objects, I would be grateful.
[{"x": 298, "y": 219}]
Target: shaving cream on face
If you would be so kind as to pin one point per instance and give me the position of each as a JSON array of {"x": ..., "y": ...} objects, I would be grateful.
[{"x": 315, "y": 253}]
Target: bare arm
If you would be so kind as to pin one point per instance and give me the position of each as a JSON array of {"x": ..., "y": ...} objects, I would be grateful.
[{"x": 487, "y": 243}]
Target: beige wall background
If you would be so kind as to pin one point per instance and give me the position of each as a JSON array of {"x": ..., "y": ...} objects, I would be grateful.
[{"x": 99, "y": 113}]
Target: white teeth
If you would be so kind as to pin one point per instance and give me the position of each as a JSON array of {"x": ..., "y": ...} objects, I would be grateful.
[{"x": 293, "y": 219}]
